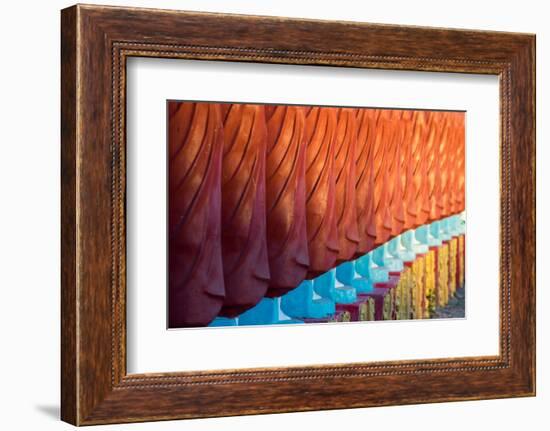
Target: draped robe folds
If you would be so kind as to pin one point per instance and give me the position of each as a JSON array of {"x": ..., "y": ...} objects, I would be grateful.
[
  {"x": 434, "y": 168},
  {"x": 244, "y": 244},
  {"x": 364, "y": 175},
  {"x": 395, "y": 178},
  {"x": 460, "y": 167},
  {"x": 451, "y": 167},
  {"x": 344, "y": 171},
  {"x": 262, "y": 197},
  {"x": 320, "y": 128},
  {"x": 443, "y": 198},
  {"x": 196, "y": 284},
  {"x": 422, "y": 180},
  {"x": 407, "y": 169},
  {"x": 457, "y": 167},
  {"x": 286, "y": 198},
  {"x": 382, "y": 189}
]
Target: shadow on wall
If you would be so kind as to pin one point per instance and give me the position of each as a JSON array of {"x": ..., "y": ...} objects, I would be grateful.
[{"x": 51, "y": 411}]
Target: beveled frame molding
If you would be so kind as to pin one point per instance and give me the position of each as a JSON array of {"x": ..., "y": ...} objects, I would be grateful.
[{"x": 95, "y": 42}]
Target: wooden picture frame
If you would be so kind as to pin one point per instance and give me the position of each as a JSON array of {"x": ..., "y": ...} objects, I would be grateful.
[{"x": 95, "y": 43}]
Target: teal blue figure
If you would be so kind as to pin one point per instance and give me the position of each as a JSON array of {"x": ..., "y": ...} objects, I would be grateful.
[
  {"x": 223, "y": 321},
  {"x": 424, "y": 235},
  {"x": 304, "y": 303},
  {"x": 365, "y": 267},
  {"x": 266, "y": 312},
  {"x": 399, "y": 251},
  {"x": 452, "y": 225},
  {"x": 346, "y": 274},
  {"x": 326, "y": 286},
  {"x": 382, "y": 257},
  {"x": 444, "y": 230},
  {"x": 409, "y": 241},
  {"x": 461, "y": 222},
  {"x": 435, "y": 229},
  {"x": 457, "y": 226}
]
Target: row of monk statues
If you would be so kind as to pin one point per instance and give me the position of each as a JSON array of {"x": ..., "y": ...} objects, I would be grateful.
[{"x": 274, "y": 207}]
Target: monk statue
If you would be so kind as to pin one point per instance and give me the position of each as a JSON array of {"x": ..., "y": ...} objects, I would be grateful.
[
  {"x": 364, "y": 180},
  {"x": 287, "y": 243},
  {"x": 195, "y": 282},
  {"x": 244, "y": 243},
  {"x": 320, "y": 128},
  {"x": 344, "y": 171}
]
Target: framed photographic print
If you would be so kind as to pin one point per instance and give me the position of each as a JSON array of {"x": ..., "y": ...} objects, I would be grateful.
[{"x": 264, "y": 214}]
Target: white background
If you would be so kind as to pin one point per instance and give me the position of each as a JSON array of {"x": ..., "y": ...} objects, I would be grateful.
[
  {"x": 29, "y": 220},
  {"x": 151, "y": 348}
]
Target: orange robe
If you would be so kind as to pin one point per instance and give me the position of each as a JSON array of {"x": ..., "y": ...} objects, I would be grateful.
[
  {"x": 286, "y": 199},
  {"x": 344, "y": 171},
  {"x": 382, "y": 160},
  {"x": 364, "y": 185},
  {"x": 320, "y": 128}
]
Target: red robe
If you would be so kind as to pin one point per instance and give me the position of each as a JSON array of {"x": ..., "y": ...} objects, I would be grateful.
[{"x": 244, "y": 243}]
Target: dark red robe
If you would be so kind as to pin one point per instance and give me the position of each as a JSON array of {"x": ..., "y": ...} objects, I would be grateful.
[
  {"x": 244, "y": 241},
  {"x": 195, "y": 279}
]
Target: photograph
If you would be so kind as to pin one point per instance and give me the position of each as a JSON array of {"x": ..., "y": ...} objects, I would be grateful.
[
  {"x": 295, "y": 214},
  {"x": 275, "y": 208}
]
